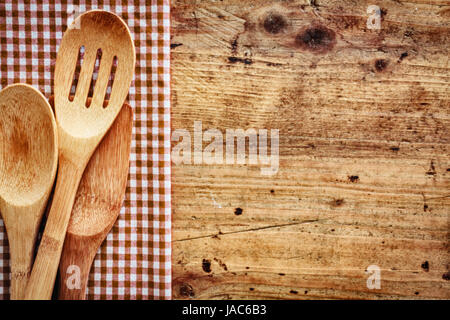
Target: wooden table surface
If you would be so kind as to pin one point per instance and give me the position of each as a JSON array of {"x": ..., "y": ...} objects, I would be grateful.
[{"x": 364, "y": 171}]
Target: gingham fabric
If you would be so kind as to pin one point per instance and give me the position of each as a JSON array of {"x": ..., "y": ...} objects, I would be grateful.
[{"x": 135, "y": 260}]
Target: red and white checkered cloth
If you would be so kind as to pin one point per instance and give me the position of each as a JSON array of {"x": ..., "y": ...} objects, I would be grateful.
[{"x": 135, "y": 260}]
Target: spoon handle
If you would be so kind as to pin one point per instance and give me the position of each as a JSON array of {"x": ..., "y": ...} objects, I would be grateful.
[
  {"x": 78, "y": 254},
  {"x": 45, "y": 268},
  {"x": 21, "y": 240},
  {"x": 21, "y": 253}
]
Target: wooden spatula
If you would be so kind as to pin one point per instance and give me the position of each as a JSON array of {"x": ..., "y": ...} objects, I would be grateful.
[
  {"x": 97, "y": 205},
  {"x": 81, "y": 126}
]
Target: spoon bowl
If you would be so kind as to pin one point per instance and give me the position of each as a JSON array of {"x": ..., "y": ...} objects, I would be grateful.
[{"x": 28, "y": 162}]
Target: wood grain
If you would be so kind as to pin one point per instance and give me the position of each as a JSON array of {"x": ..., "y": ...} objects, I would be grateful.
[{"x": 364, "y": 149}]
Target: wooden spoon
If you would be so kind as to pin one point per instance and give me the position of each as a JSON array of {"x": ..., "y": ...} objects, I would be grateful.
[
  {"x": 28, "y": 162},
  {"x": 97, "y": 206},
  {"x": 81, "y": 128}
]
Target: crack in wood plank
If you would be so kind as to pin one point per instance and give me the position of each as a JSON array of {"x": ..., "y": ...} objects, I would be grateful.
[{"x": 251, "y": 230}]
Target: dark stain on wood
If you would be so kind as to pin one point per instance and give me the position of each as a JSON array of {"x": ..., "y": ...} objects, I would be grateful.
[
  {"x": 273, "y": 64},
  {"x": 186, "y": 290},
  {"x": 274, "y": 23},
  {"x": 246, "y": 61},
  {"x": 221, "y": 264},
  {"x": 381, "y": 64},
  {"x": 425, "y": 266},
  {"x": 313, "y": 3},
  {"x": 337, "y": 202},
  {"x": 206, "y": 265},
  {"x": 402, "y": 56},
  {"x": 317, "y": 38},
  {"x": 234, "y": 44},
  {"x": 174, "y": 45},
  {"x": 383, "y": 12}
]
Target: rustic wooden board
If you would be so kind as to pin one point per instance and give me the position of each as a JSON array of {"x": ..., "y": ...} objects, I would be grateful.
[{"x": 364, "y": 149}]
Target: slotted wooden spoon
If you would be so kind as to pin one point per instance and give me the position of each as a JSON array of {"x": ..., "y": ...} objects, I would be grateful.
[
  {"x": 97, "y": 206},
  {"x": 81, "y": 128},
  {"x": 28, "y": 162}
]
